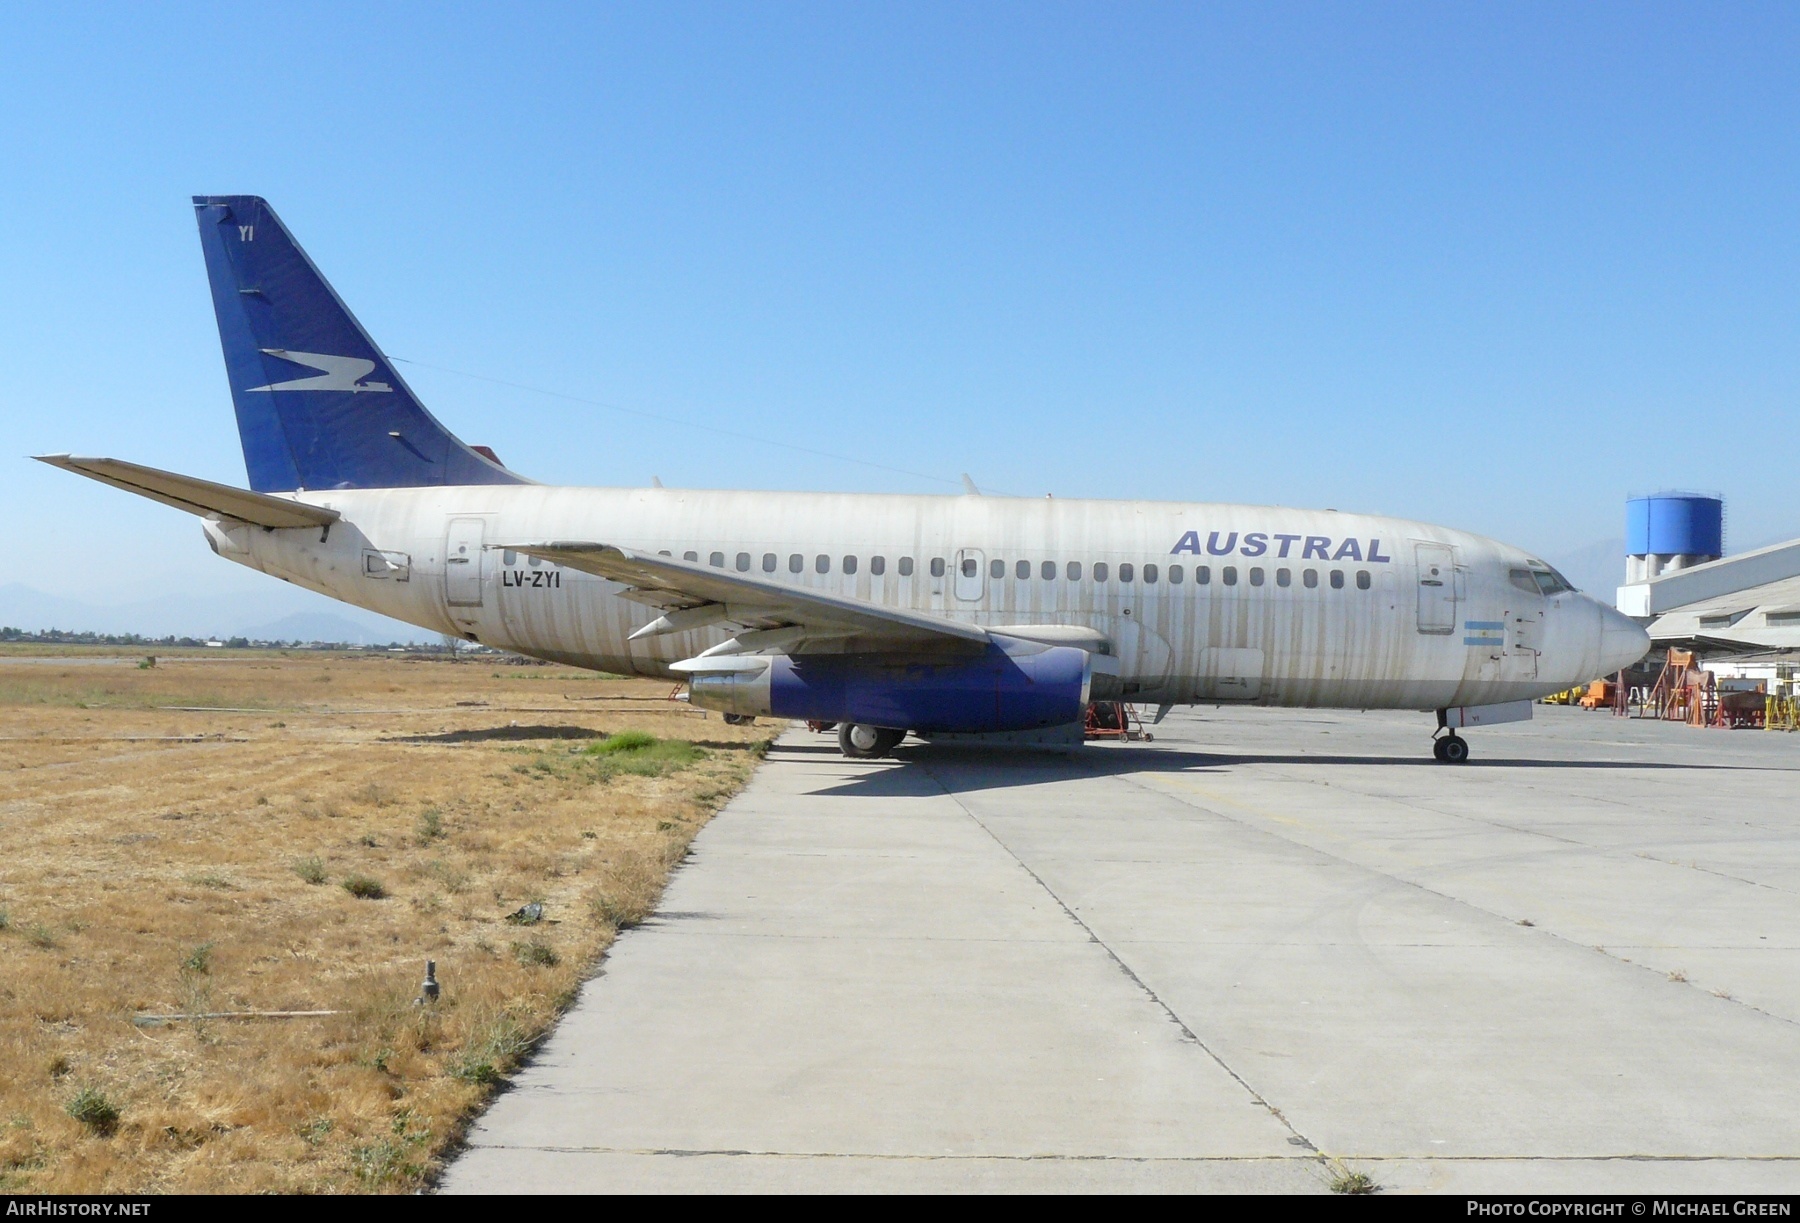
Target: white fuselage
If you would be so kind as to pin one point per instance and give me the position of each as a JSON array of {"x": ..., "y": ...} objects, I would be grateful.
[{"x": 1199, "y": 602}]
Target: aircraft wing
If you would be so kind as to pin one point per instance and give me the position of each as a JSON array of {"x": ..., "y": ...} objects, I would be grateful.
[
  {"x": 693, "y": 595},
  {"x": 195, "y": 495}
]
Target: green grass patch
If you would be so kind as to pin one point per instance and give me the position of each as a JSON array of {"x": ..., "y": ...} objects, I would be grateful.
[
  {"x": 431, "y": 825},
  {"x": 493, "y": 1054},
  {"x": 536, "y": 954},
  {"x": 91, "y": 1107},
  {"x": 624, "y": 741},
  {"x": 364, "y": 888},
  {"x": 641, "y": 754}
]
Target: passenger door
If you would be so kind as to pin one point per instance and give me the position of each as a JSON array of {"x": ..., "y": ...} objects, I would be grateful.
[
  {"x": 463, "y": 562},
  {"x": 971, "y": 574},
  {"x": 1437, "y": 587}
]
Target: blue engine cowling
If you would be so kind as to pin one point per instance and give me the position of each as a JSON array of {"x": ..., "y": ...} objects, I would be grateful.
[{"x": 998, "y": 690}]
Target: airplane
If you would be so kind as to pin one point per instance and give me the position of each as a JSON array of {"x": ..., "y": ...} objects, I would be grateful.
[{"x": 963, "y": 617}]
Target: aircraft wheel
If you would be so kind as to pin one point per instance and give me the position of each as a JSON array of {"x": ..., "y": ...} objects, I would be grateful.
[
  {"x": 860, "y": 742},
  {"x": 1456, "y": 749},
  {"x": 738, "y": 719},
  {"x": 1437, "y": 750}
]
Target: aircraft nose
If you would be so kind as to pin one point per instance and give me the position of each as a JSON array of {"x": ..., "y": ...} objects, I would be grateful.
[{"x": 1622, "y": 641}]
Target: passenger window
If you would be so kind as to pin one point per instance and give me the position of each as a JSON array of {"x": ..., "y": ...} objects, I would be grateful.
[
  {"x": 1126, "y": 572},
  {"x": 690, "y": 556},
  {"x": 667, "y": 553},
  {"x": 1047, "y": 571},
  {"x": 716, "y": 560},
  {"x": 796, "y": 563},
  {"x": 1362, "y": 579},
  {"x": 970, "y": 567},
  {"x": 1310, "y": 579},
  {"x": 1228, "y": 575},
  {"x": 1149, "y": 575},
  {"x": 534, "y": 561},
  {"x": 937, "y": 566},
  {"x": 1100, "y": 571},
  {"x": 509, "y": 557},
  {"x": 822, "y": 563},
  {"x": 849, "y": 564},
  {"x": 878, "y": 565},
  {"x": 997, "y": 569},
  {"x": 743, "y": 562},
  {"x": 770, "y": 560},
  {"x": 1202, "y": 575},
  {"x": 1284, "y": 577},
  {"x": 1256, "y": 575},
  {"x": 1022, "y": 570},
  {"x": 1174, "y": 575},
  {"x": 906, "y": 566},
  {"x": 1337, "y": 579},
  {"x": 1074, "y": 571}
]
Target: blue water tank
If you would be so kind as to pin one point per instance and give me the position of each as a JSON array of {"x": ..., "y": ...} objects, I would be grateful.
[{"x": 1675, "y": 524}]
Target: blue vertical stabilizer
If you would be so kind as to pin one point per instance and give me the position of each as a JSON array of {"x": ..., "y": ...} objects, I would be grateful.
[{"x": 318, "y": 405}]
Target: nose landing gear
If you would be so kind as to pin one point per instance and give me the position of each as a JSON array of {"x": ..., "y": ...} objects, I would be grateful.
[{"x": 1448, "y": 747}]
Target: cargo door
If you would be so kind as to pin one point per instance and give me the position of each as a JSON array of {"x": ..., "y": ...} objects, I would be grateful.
[
  {"x": 463, "y": 562},
  {"x": 1231, "y": 674},
  {"x": 971, "y": 574},
  {"x": 1437, "y": 587}
]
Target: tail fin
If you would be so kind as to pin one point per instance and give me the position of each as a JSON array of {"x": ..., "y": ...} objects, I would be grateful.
[{"x": 318, "y": 405}]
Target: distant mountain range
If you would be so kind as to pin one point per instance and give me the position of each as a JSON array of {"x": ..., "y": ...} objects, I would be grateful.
[{"x": 283, "y": 614}]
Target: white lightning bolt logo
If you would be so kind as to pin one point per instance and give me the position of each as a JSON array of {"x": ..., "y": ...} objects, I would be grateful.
[{"x": 338, "y": 373}]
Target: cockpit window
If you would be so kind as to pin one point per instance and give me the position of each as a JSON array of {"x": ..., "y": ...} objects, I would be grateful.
[
  {"x": 1551, "y": 582},
  {"x": 1539, "y": 579}
]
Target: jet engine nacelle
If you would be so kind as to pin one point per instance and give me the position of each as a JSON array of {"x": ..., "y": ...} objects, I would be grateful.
[{"x": 1001, "y": 689}]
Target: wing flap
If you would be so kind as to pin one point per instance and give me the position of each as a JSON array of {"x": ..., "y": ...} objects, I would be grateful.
[
  {"x": 195, "y": 495},
  {"x": 663, "y": 581}
]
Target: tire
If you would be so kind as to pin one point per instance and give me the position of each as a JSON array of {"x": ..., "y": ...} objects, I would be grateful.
[
  {"x": 738, "y": 719},
  {"x": 1437, "y": 750},
  {"x": 860, "y": 742},
  {"x": 1456, "y": 750}
]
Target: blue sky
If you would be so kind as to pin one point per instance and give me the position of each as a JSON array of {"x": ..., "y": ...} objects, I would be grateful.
[{"x": 1493, "y": 266}]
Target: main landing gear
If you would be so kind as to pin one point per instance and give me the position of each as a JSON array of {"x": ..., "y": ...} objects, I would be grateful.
[
  {"x": 1451, "y": 749},
  {"x": 861, "y": 742}
]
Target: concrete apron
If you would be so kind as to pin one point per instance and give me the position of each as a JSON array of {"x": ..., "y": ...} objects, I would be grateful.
[{"x": 1170, "y": 969}]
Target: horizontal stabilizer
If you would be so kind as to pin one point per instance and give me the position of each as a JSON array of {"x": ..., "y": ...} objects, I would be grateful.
[{"x": 194, "y": 495}]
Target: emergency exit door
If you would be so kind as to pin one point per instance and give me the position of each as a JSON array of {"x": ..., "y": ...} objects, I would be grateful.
[
  {"x": 971, "y": 575},
  {"x": 463, "y": 563},
  {"x": 1437, "y": 587}
]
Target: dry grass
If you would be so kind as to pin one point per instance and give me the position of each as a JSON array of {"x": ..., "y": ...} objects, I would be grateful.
[{"x": 162, "y": 861}]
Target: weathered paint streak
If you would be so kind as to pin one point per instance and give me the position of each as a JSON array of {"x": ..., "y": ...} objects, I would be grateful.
[{"x": 1311, "y": 646}]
